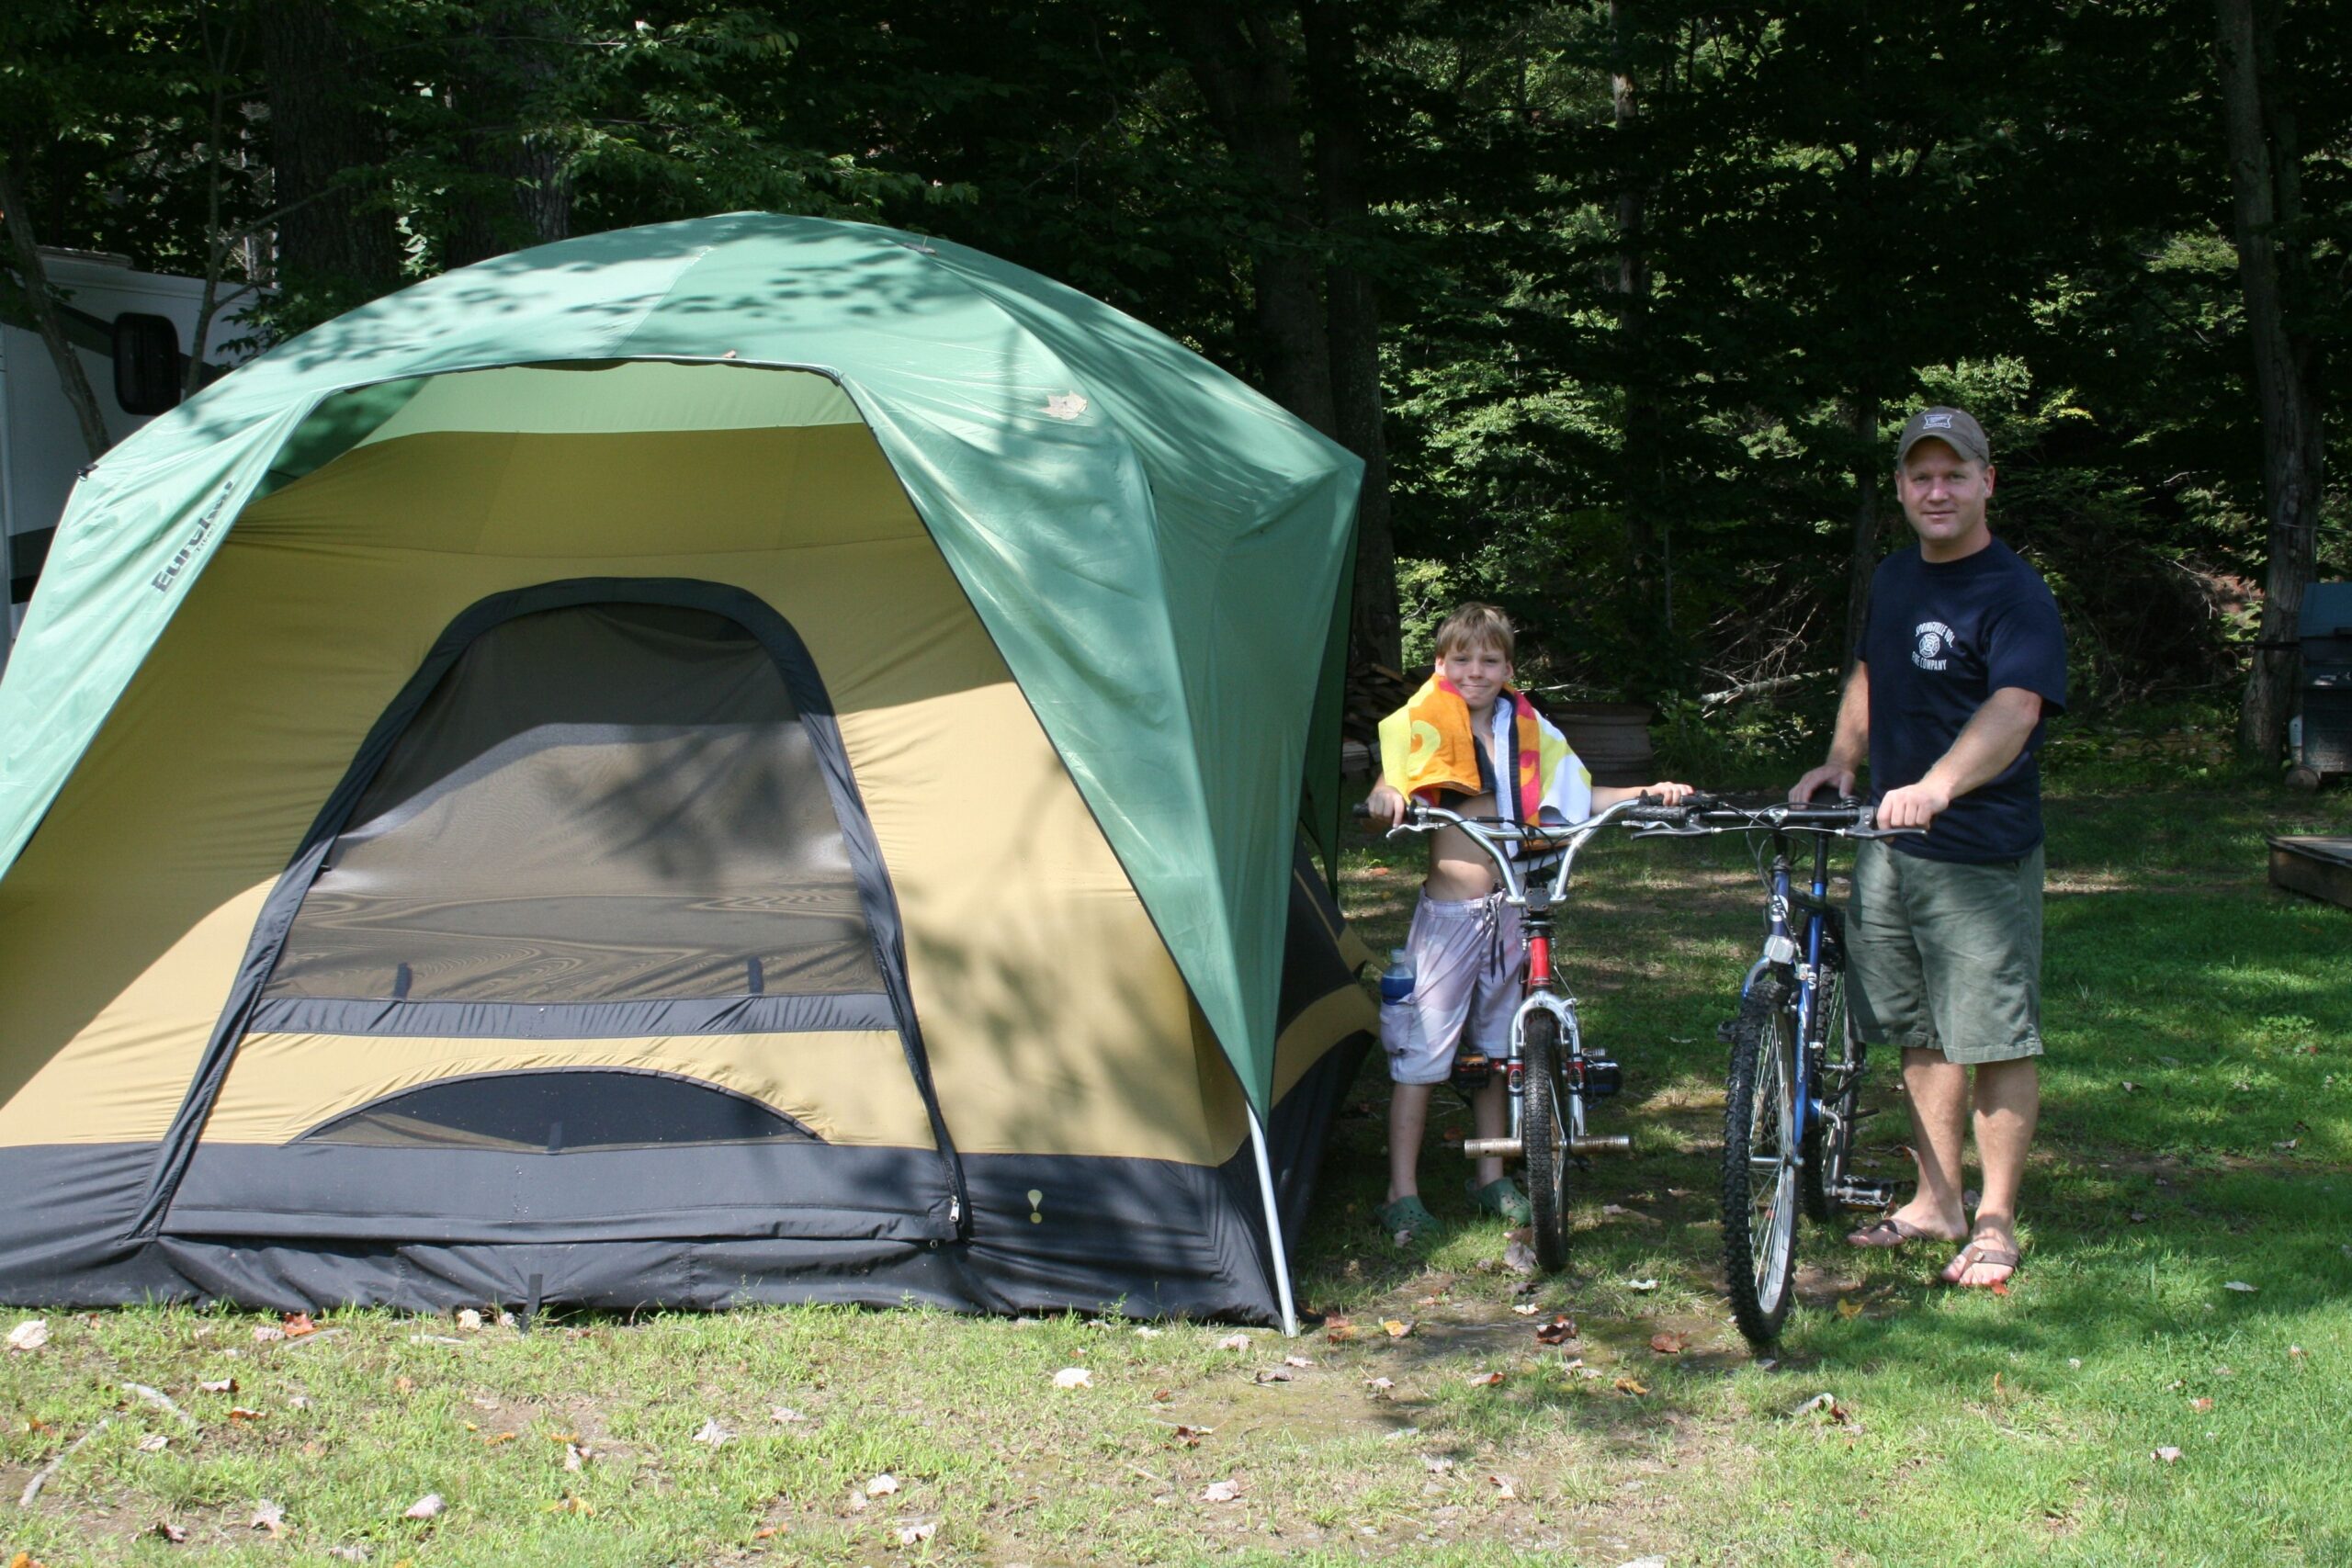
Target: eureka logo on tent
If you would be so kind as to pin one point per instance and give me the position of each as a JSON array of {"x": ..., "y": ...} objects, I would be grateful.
[{"x": 162, "y": 582}]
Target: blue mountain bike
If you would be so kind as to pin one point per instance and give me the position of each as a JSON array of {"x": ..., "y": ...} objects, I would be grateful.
[{"x": 1791, "y": 1098}]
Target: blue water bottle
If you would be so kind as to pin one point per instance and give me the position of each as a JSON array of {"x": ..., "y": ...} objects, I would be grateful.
[{"x": 1400, "y": 1021}]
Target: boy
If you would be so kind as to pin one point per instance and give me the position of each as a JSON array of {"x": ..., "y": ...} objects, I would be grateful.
[{"x": 1466, "y": 739}]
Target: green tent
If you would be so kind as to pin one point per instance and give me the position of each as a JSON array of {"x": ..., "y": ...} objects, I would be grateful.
[{"x": 1156, "y": 553}]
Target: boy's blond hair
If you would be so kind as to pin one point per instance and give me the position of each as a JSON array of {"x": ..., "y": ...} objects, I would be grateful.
[{"x": 1474, "y": 625}]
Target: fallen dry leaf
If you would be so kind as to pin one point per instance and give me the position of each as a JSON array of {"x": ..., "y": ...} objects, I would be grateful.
[
  {"x": 1274, "y": 1374},
  {"x": 1484, "y": 1380},
  {"x": 1073, "y": 1377},
  {"x": 1848, "y": 1308},
  {"x": 1525, "y": 1309},
  {"x": 1643, "y": 1286},
  {"x": 882, "y": 1486},
  {"x": 468, "y": 1319},
  {"x": 1668, "y": 1344},
  {"x": 567, "y": 1503},
  {"x": 575, "y": 1457},
  {"x": 2169, "y": 1454},
  {"x": 711, "y": 1433},
  {"x": 1338, "y": 1330},
  {"x": 1828, "y": 1404},
  {"x": 1436, "y": 1464},
  {"x": 153, "y": 1443},
  {"x": 169, "y": 1531},
  {"x": 29, "y": 1336},
  {"x": 1518, "y": 1257},
  {"x": 1397, "y": 1328},
  {"x": 1162, "y": 1395},
  {"x": 1191, "y": 1435},
  {"x": 911, "y": 1535},
  {"x": 217, "y": 1385},
  {"x": 428, "y": 1507},
  {"x": 1297, "y": 1361},
  {"x": 1221, "y": 1492},
  {"x": 1559, "y": 1331},
  {"x": 1505, "y": 1487},
  {"x": 1234, "y": 1342},
  {"x": 268, "y": 1333},
  {"x": 1380, "y": 1385},
  {"x": 1632, "y": 1386},
  {"x": 496, "y": 1438},
  {"x": 785, "y": 1414},
  {"x": 298, "y": 1323},
  {"x": 268, "y": 1516},
  {"x": 403, "y": 1384},
  {"x": 767, "y": 1531},
  {"x": 2200, "y": 1406},
  {"x": 243, "y": 1412}
]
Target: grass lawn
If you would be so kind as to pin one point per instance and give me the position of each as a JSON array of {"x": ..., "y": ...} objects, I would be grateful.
[{"x": 2197, "y": 1131}]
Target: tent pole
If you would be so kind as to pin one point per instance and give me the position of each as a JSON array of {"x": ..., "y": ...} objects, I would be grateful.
[{"x": 1273, "y": 1225}]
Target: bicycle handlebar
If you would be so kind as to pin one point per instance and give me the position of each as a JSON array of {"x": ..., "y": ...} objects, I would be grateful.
[{"x": 1845, "y": 819}]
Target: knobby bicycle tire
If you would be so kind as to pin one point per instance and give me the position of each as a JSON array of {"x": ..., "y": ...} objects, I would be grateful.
[
  {"x": 1759, "y": 1201},
  {"x": 1543, "y": 1138},
  {"x": 1828, "y": 1156}
]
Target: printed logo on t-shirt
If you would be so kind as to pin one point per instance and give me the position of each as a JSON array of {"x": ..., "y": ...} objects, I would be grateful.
[{"x": 1931, "y": 645}]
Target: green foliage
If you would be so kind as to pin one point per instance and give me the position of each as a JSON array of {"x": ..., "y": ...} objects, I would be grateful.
[{"x": 1639, "y": 372}]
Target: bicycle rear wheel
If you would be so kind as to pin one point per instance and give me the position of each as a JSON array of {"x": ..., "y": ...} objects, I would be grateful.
[
  {"x": 1544, "y": 1137},
  {"x": 1838, "y": 1085},
  {"x": 1759, "y": 1182}
]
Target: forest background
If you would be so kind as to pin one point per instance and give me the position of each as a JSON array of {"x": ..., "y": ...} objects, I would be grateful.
[{"x": 1621, "y": 302}]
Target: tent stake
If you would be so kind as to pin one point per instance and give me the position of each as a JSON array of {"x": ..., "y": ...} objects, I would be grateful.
[{"x": 1273, "y": 1225}]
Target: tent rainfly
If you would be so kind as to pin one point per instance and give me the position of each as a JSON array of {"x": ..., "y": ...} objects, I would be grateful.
[{"x": 745, "y": 760}]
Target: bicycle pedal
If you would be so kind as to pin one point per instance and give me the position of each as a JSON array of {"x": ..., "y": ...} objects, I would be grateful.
[
  {"x": 1865, "y": 1194},
  {"x": 1598, "y": 1078},
  {"x": 1472, "y": 1070}
]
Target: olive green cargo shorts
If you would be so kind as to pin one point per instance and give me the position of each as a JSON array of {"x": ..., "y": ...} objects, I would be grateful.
[{"x": 1946, "y": 956}]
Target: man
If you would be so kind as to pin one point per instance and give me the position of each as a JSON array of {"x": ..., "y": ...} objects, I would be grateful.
[{"x": 1962, "y": 657}]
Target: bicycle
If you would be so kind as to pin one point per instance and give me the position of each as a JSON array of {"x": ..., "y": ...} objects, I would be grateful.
[
  {"x": 1549, "y": 1073},
  {"x": 1789, "y": 1112}
]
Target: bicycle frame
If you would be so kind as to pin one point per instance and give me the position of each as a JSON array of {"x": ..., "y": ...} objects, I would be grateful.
[{"x": 1782, "y": 949}]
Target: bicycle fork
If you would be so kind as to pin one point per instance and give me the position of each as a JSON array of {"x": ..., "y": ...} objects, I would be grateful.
[{"x": 1587, "y": 1077}]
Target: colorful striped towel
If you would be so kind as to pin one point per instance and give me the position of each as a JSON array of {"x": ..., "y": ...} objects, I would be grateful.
[{"x": 1427, "y": 745}]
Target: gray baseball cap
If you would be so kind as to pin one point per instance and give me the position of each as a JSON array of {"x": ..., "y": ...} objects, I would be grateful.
[{"x": 1953, "y": 427}]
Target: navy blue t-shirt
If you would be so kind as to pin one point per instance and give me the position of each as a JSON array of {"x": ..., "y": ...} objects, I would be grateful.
[{"x": 1941, "y": 638}]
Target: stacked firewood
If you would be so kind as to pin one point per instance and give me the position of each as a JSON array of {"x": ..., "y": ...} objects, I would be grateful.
[{"x": 1374, "y": 691}]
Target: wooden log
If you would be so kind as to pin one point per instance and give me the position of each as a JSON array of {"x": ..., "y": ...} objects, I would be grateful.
[{"x": 2318, "y": 868}]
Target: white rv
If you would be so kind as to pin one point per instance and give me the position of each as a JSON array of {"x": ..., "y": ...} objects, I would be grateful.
[{"x": 129, "y": 329}]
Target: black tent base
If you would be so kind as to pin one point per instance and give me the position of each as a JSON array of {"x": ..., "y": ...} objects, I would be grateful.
[{"x": 1146, "y": 1238}]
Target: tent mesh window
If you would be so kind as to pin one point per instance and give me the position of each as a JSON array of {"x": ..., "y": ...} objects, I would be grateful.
[
  {"x": 603, "y": 803},
  {"x": 553, "y": 1112}
]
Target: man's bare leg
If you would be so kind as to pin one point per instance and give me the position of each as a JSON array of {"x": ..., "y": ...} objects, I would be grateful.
[
  {"x": 2009, "y": 1103},
  {"x": 1937, "y": 1091},
  {"x": 1409, "y": 1117},
  {"x": 1490, "y": 1115}
]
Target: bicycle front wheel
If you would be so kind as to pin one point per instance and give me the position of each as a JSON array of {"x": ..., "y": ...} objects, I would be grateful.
[
  {"x": 1544, "y": 1137},
  {"x": 1760, "y": 1163}
]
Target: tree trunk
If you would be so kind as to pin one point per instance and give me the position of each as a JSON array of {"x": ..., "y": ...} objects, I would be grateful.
[
  {"x": 1360, "y": 415},
  {"x": 1236, "y": 61},
  {"x": 2265, "y": 186},
  {"x": 1641, "y": 452},
  {"x": 337, "y": 248},
  {"x": 1862, "y": 560},
  {"x": 42, "y": 307},
  {"x": 515, "y": 55}
]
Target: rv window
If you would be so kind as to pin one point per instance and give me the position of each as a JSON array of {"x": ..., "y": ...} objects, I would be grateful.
[{"x": 146, "y": 363}]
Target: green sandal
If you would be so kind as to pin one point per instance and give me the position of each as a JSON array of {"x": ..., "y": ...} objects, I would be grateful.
[
  {"x": 1407, "y": 1214},
  {"x": 1499, "y": 1197}
]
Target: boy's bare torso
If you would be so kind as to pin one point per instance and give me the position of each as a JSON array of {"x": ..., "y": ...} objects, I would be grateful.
[{"x": 1458, "y": 868}]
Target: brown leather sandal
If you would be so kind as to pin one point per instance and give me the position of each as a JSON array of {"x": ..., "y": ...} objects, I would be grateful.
[
  {"x": 1978, "y": 1254},
  {"x": 1890, "y": 1231}
]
